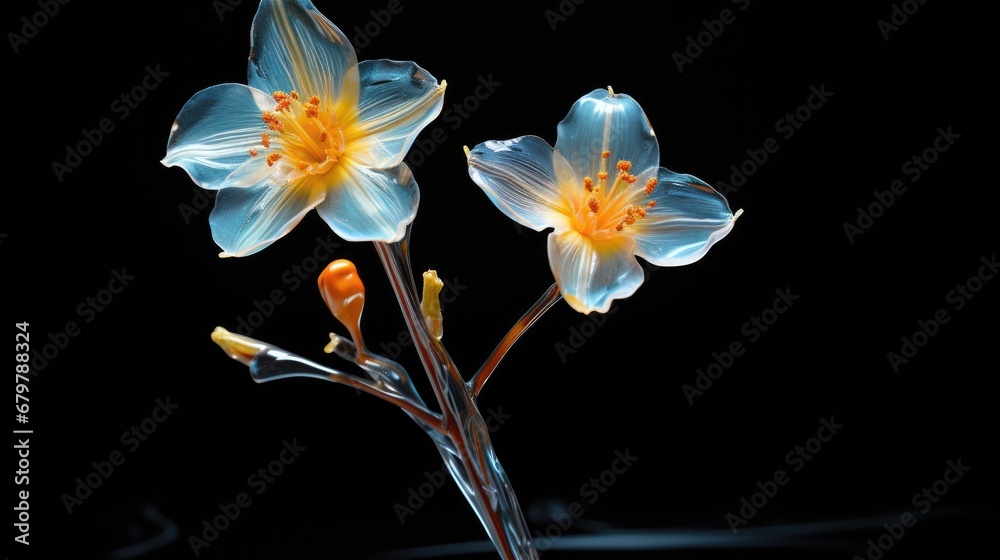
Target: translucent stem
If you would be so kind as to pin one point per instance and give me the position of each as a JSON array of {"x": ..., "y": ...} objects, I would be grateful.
[
  {"x": 548, "y": 299},
  {"x": 273, "y": 363},
  {"x": 383, "y": 371},
  {"x": 465, "y": 444}
]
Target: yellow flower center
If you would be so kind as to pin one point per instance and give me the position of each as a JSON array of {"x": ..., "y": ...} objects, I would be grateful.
[
  {"x": 602, "y": 211},
  {"x": 306, "y": 138}
]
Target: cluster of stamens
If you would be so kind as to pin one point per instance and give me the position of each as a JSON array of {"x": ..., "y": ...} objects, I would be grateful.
[
  {"x": 599, "y": 195},
  {"x": 305, "y": 131}
]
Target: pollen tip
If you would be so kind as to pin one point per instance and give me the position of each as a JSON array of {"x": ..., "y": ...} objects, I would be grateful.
[
  {"x": 611, "y": 91},
  {"x": 737, "y": 214},
  {"x": 468, "y": 152},
  {"x": 241, "y": 348}
]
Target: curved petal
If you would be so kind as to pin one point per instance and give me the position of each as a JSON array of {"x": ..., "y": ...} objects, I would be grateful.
[
  {"x": 591, "y": 274},
  {"x": 601, "y": 121},
  {"x": 244, "y": 221},
  {"x": 520, "y": 177},
  {"x": 371, "y": 204},
  {"x": 398, "y": 99},
  {"x": 689, "y": 217},
  {"x": 214, "y": 132},
  {"x": 293, "y": 46}
]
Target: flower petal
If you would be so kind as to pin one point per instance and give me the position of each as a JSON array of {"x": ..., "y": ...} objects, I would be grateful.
[
  {"x": 294, "y": 46},
  {"x": 591, "y": 274},
  {"x": 689, "y": 217},
  {"x": 371, "y": 204},
  {"x": 601, "y": 121},
  {"x": 214, "y": 132},
  {"x": 244, "y": 221},
  {"x": 398, "y": 99},
  {"x": 520, "y": 177}
]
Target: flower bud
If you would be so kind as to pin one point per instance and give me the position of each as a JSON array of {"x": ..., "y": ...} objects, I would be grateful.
[{"x": 344, "y": 294}]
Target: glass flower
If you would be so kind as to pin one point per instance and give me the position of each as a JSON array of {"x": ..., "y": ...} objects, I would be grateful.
[
  {"x": 313, "y": 128},
  {"x": 606, "y": 198}
]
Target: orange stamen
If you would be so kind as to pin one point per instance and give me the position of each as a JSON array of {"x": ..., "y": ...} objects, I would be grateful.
[
  {"x": 272, "y": 121},
  {"x": 651, "y": 184}
]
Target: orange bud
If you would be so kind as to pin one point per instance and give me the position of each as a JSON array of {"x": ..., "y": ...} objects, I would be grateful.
[{"x": 344, "y": 294}]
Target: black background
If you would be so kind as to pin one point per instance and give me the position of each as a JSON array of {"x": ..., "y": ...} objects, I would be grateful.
[{"x": 825, "y": 356}]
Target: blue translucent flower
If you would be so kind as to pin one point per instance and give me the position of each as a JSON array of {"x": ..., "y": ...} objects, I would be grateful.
[
  {"x": 312, "y": 129},
  {"x": 604, "y": 194}
]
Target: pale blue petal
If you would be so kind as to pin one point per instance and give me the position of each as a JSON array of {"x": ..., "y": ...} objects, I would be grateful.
[
  {"x": 600, "y": 121},
  {"x": 293, "y": 46},
  {"x": 244, "y": 221},
  {"x": 689, "y": 217},
  {"x": 214, "y": 132},
  {"x": 520, "y": 177},
  {"x": 371, "y": 204},
  {"x": 398, "y": 99},
  {"x": 592, "y": 274}
]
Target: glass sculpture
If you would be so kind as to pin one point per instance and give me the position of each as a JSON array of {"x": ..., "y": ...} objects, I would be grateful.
[{"x": 314, "y": 128}]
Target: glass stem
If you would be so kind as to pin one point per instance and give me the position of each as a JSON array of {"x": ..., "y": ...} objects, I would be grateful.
[
  {"x": 544, "y": 303},
  {"x": 464, "y": 443}
]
